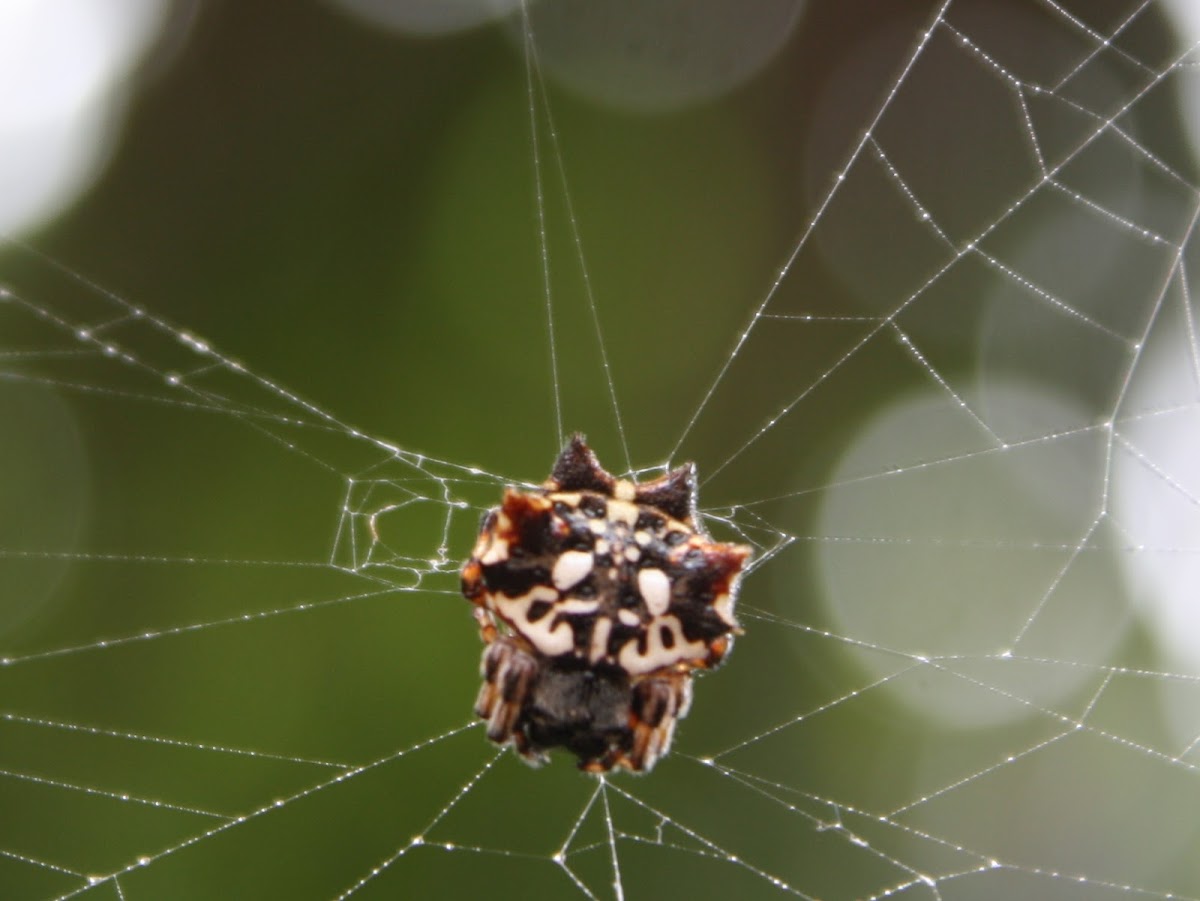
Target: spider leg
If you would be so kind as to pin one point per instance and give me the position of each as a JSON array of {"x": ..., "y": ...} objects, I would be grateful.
[
  {"x": 487, "y": 624},
  {"x": 508, "y": 673},
  {"x": 659, "y": 702}
]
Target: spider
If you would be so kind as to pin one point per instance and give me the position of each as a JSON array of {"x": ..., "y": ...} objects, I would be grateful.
[{"x": 596, "y": 599}]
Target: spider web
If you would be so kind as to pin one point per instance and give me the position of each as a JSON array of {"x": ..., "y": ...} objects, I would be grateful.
[{"x": 947, "y": 389}]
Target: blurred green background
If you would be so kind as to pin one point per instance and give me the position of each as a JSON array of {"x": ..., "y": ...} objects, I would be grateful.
[{"x": 352, "y": 214}]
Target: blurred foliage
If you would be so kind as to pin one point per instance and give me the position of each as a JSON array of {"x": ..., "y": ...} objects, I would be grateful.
[{"x": 352, "y": 214}]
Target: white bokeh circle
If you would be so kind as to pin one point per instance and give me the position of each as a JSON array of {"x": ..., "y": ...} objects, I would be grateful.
[
  {"x": 967, "y": 558},
  {"x": 64, "y": 67}
]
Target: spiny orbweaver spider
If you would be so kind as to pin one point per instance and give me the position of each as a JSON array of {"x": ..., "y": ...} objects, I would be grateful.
[{"x": 596, "y": 598}]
